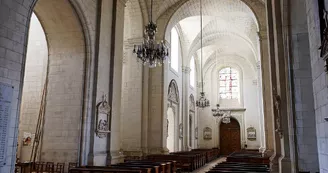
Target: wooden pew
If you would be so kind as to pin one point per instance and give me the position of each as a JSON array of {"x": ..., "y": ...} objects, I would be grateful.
[
  {"x": 167, "y": 166},
  {"x": 103, "y": 170},
  {"x": 182, "y": 162},
  {"x": 147, "y": 169}
]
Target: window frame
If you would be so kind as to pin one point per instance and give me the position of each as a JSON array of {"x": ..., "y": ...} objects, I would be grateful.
[
  {"x": 174, "y": 68},
  {"x": 235, "y": 89}
]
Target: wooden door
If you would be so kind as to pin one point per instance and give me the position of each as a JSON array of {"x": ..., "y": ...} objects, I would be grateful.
[{"x": 230, "y": 137}]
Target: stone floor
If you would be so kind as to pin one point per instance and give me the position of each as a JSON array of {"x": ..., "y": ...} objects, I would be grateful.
[{"x": 210, "y": 165}]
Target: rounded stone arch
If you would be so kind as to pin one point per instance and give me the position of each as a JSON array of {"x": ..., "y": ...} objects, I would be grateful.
[
  {"x": 173, "y": 103},
  {"x": 68, "y": 36},
  {"x": 173, "y": 93}
]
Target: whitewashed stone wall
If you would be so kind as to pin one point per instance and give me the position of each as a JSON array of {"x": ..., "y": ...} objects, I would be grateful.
[
  {"x": 35, "y": 73},
  {"x": 249, "y": 95},
  {"x": 320, "y": 82}
]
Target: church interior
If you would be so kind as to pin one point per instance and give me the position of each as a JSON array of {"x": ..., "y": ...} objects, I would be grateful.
[{"x": 163, "y": 86}]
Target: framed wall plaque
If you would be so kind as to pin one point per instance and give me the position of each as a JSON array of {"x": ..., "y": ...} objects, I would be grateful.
[
  {"x": 6, "y": 94},
  {"x": 207, "y": 133},
  {"x": 251, "y": 133}
]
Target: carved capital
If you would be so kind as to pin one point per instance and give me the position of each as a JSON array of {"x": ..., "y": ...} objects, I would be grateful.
[
  {"x": 186, "y": 69},
  {"x": 262, "y": 35}
]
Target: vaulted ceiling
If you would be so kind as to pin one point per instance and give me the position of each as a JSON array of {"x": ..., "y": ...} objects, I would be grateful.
[{"x": 229, "y": 26}]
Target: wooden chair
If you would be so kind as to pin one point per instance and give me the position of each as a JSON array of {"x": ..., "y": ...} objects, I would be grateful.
[
  {"x": 50, "y": 167},
  {"x": 72, "y": 165},
  {"x": 60, "y": 167}
]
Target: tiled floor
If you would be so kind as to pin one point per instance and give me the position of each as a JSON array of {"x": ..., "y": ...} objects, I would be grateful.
[{"x": 210, "y": 165}]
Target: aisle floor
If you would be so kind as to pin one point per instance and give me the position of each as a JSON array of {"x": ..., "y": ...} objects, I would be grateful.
[{"x": 209, "y": 165}]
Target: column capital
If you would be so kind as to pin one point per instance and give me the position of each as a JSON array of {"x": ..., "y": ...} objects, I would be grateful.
[
  {"x": 263, "y": 35},
  {"x": 186, "y": 69}
]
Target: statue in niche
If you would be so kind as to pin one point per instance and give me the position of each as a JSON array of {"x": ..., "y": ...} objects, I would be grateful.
[
  {"x": 167, "y": 127},
  {"x": 103, "y": 118},
  {"x": 277, "y": 105}
]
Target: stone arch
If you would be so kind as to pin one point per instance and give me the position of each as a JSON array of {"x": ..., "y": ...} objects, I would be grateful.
[
  {"x": 173, "y": 92},
  {"x": 59, "y": 37}
]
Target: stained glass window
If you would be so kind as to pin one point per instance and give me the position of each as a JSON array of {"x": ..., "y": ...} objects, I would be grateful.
[{"x": 228, "y": 83}]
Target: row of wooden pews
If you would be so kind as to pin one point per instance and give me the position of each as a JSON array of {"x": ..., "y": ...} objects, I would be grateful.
[
  {"x": 141, "y": 166},
  {"x": 157, "y": 163},
  {"x": 245, "y": 161},
  {"x": 239, "y": 167},
  {"x": 188, "y": 160}
]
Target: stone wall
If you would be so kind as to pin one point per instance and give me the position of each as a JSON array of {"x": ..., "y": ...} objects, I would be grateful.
[
  {"x": 320, "y": 82},
  {"x": 304, "y": 116},
  {"x": 34, "y": 80}
]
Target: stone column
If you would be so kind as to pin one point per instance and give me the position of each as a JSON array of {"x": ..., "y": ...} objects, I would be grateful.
[
  {"x": 107, "y": 150},
  {"x": 261, "y": 115},
  {"x": 266, "y": 88},
  {"x": 185, "y": 106},
  {"x": 115, "y": 141},
  {"x": 281, "y": 91},
  {"x": 276, "y": 153},
  {"x": 132, "y": 101}
]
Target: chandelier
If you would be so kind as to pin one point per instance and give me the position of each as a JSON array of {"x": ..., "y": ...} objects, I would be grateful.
[
  {"x": 150, "y": 52},
  {"x": 221, "y": 113},
  {"x": 202, "y": 102}
]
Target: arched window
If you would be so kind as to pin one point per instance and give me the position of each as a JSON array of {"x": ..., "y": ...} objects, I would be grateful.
[
  {"x": 174, "y": 50},
  {"x": 192, "y": 72},
  {"x": 229, "y": 83}
]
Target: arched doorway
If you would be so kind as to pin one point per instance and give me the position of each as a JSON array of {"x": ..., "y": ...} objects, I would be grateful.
[{"x": 229, "y": 137}]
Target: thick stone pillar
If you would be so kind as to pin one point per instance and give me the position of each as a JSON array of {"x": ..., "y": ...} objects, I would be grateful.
[
  {"x": 185, "y": 107},
  {"x": 281, "y": 90},
  {"x": 107, "y": 149},
  {"x": 116, "y": 83},
  {"x": 131, "y": 108}
]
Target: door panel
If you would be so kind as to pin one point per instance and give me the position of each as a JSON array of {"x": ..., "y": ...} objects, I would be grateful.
[{"x": 230, "y": 137}]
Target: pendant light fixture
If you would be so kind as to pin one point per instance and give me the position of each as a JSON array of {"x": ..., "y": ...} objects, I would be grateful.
[
  {"x": 202, "y": 102},
  {"x": 150, "y": 52}
]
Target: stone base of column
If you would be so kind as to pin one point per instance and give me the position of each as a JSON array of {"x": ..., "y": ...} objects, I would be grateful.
[
  {"x": 274, "y": 164},
  {"x": 262, "y": 150},
  {"x": 286, "y": 165},
  {"x": 116, "y": 157}
]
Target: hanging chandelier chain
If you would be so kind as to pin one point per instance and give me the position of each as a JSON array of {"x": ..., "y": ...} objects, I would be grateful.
[
  {"x": 201, "y": 43},
  {"x": 150, "y": 52},
  {"x": 202, "y": 102},
  {"x": 151, "y": 10}
]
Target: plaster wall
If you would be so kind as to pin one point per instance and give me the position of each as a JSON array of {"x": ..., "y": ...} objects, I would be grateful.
[{"x": 249, "y": 94}]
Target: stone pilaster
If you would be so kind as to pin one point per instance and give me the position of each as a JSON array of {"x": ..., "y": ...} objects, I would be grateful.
[{"x": 185, "y": 106}]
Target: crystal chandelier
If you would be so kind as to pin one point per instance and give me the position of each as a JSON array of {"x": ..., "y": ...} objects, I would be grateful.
[
  {"x": 202, "y": 102},
  {"x": 150, "y": 52},
  {"x": 221, "y": 113}
]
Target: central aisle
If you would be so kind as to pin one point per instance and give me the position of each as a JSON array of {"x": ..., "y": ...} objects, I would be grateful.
[{"x": 210, "y": 165}]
